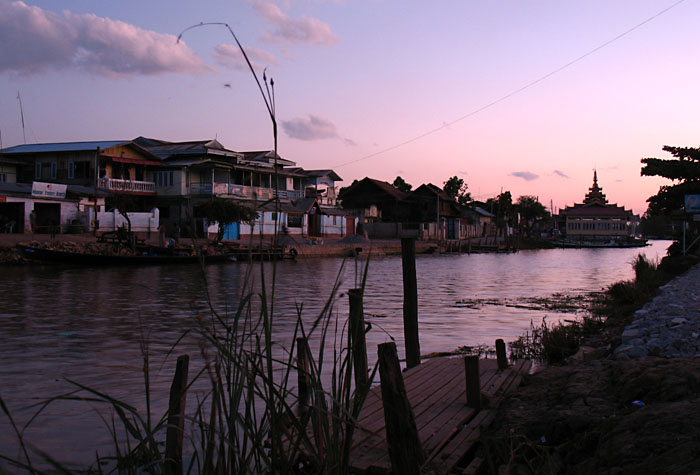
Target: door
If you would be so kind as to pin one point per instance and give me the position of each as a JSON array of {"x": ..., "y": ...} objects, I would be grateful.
[
  {"x": 47, "y": 215},
  {"x": 11, "y": 218},
  {"x": 314, "y": 225},
  {"x": 232, "y": 231},
  {"x": 349, "y": 226},
  {"x": 451, "y": 228}
]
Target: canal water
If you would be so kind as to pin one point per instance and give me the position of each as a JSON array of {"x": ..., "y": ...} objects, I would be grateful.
[{"x": 90, "y": 325}]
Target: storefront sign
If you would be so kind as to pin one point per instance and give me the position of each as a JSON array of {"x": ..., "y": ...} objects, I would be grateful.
[
  {"x": 3, "y": 198},
  {"x": 49, "y": 190},
  {"x": 692, "y": 203}
]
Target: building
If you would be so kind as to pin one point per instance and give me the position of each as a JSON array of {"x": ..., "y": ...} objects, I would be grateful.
[
  {"x": 165, "y": 181},
  {"x": 60, "y": 186},
  {"x": 595, "y": 219}
]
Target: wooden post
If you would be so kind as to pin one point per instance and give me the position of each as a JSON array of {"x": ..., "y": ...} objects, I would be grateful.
[
  {"x": 405, "y": 450},
  {"x": 471, "y": 372},
  {"x": 357, "y": 337},
  {"x": 410, "y": 302},
  {"x": 501, "y": 354},
  {"x": 176, "y": 417},
  {"x": 303, "y": 373}
]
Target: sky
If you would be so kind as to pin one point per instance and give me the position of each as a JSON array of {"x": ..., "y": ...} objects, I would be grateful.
[{"x": 528, "y": 96}]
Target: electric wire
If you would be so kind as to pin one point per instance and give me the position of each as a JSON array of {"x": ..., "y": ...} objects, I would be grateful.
[{"x": 514, "y": 92}]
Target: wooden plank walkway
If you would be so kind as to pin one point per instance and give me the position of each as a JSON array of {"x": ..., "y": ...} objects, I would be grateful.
[{"x": 447, "y": 427}]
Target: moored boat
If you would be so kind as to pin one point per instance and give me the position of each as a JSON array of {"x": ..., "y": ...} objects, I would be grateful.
[{"x": 142, "y": 256}]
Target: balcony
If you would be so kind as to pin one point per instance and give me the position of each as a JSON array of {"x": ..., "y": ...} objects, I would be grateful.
[
  {"x": 240, "y": 191},
  {"x": 126, "y": 186}
]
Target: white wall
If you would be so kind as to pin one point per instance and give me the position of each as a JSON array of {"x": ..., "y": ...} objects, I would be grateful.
[{"x": 140, "y": 222}]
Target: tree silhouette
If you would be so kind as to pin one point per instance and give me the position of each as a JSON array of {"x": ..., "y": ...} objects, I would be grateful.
[{"x": 684, "y": 171}]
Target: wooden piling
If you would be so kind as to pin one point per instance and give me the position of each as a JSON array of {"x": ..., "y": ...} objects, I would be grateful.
[
  {"x": 303, "y": 371},
  {"x": 410, "y": 302},
  {"x": 405, "y": 450},
  {"x": 471, "y": 372},
  {"x": 176, "y": 417},
  {"x": 501, "y": 354},
  {"x": 357, "y": 337}
]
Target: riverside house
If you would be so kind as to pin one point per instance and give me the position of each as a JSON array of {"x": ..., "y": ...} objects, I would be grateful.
[
  {"x": 166, "y": 182},
  {"x": 426, "y": 213}
]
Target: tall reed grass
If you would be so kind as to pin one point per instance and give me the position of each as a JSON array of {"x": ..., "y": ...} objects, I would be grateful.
[{"x": 251, "y": 419}]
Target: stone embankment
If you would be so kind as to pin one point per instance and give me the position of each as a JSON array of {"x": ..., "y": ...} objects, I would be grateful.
[{"x": 669, "y": 325}]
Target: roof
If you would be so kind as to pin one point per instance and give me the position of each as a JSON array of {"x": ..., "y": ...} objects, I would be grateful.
[
  {"x": 384, "y": 186},
  {"x": 63, "y": 147},
  {"x": 323, "y": 173},
  {"x": 596, "y": 210},
  {"x": 305, "y": 204},
  {"x": 71, "y": 190},
  {"x": 165, "y": 150},
  {"x": 433, "y": 189},
  {"x": 333, "y": 211},
  {"x": 483, "y": 212},
  {"x": 266, "y": 157}
]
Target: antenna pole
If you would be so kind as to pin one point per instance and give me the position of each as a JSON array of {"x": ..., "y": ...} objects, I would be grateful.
[{"x": 21, "y": 112}]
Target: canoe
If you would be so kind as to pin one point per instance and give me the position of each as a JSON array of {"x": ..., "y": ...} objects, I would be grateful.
[{"x": 154, "y": 256}]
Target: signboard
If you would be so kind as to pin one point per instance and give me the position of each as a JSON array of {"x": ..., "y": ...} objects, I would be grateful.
[
  {"x": 692, "y": 203},
  {"x": 3, "y": 198},
  {"x": 49, "y": 190}
]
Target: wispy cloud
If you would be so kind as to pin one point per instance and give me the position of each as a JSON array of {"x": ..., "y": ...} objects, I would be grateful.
[
  {"x": 527, "y": 176},
  {"x": 34, "y": 40},
  {"x": 287, "y": 29},
  {"x": 561, "y": 174},
  {"x": 313, "y": 128},
  {"x": 230, "y": 56}
]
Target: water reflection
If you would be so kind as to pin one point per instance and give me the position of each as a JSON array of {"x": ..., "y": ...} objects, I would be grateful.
[{"x": 87, "y": 325}]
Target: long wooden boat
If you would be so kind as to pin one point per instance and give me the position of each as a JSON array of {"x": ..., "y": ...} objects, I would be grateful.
[
  {"x": 150, "y": 256},
  {"x": 601, "y": 244}
]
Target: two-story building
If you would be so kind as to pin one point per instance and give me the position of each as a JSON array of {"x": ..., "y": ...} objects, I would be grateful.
[{"x": 62, "y": 184}]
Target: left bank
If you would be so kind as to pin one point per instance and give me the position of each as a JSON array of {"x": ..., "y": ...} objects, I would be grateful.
[{"x": 299, "y": 249}]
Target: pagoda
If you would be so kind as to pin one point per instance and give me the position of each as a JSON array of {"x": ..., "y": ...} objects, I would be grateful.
[{"x": 595, "y": 219}]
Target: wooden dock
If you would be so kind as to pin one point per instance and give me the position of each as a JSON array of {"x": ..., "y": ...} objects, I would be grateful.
[{"x": 447, "y": 428}]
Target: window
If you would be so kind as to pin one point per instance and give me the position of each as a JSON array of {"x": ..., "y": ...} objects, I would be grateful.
[
  {"x": 71, "y": 169},
  {"x": 3, "y": 177},
  {"x": 163, "y": 179},
  {"x": 37, "y": 171},
  {"x": 81, "y": 170},
  {"x": 294, "y": 221},
  {"x": 54, "y": 169}
]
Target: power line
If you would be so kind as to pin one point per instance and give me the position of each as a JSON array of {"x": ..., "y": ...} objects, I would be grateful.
[{"x": 517, "y": 91}]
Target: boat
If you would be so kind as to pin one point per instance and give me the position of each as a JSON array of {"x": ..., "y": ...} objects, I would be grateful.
[
  {"x": 142, "y": 256},
  {"x": 626, "y": 243}
]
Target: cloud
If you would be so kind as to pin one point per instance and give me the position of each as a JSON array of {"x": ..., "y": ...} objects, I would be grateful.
[
  {"x": 527, "y": 176},
  {"x": 302, "y": 30},
  {"x": 230, "y": 56},
  {"x": 34, "y": 40},
  {"x": 313, "y": 128},
  {"x": 561, "y": 174}
]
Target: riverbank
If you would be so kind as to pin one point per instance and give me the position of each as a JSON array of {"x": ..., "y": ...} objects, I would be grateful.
[
  {"x": 299, "y": 248},
  {"x": 625, "y": 404}
]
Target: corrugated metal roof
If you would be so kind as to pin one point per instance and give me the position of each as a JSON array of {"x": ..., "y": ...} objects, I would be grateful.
[{"x": 63, "y": 146}]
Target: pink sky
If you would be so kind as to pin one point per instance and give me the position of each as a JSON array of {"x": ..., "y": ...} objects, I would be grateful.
[{"x": 360, "y": 84}]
